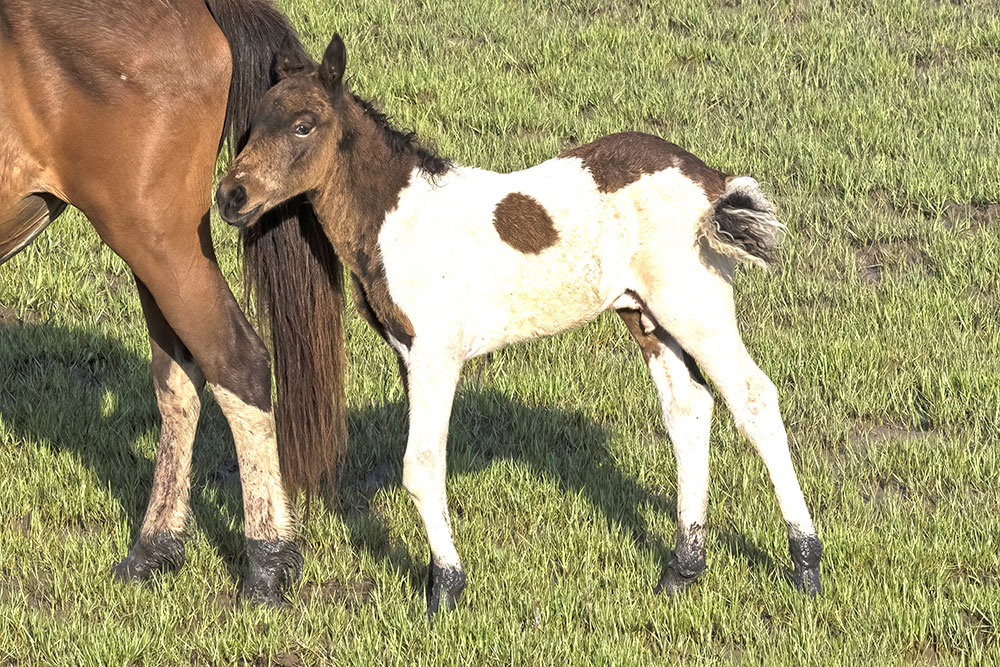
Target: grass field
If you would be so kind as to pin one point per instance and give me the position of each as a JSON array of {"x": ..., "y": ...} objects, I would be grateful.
[{"x": 874, "y": 126}]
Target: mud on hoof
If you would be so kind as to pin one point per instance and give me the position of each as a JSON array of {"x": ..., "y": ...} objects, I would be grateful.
[
  {"x": 688, "y": 562},
  {"x": 274, "y": 565},
  {"x": 444, "y": 586},
  {"x": 806, "y": 551},
  {"x": 149, "y": 555},
  {"x": 673, "y": 582}
]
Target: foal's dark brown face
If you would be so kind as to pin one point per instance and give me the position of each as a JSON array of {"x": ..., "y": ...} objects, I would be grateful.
[{"x": 294, "y": 137}]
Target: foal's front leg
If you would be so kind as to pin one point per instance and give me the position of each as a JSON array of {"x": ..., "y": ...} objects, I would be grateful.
[{"x": 432, "y": 380}]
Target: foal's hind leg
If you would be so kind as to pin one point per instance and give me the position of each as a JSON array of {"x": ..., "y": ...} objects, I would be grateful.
[
  {"x": 177, "y": 381},
  {"x": 432, "y": 381},
  {"x": 686, "y": 402},
  {"x": 703, "y": 321}
]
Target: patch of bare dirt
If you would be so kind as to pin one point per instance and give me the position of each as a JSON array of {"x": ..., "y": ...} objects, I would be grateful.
[
  {"x": 924, "y": 654},
  {"x": 35, "y": 592},
  {"x": 380, "y": 476},
  {"x": 227, "y": 472},
  {"x": 354, "y": 593},
  {"x": 22, "y": 525},
  {"x": 11, "y": 317},
  {"x": 877, "y": 259},
  {"x": 984, "y": 578},
  {"x": 284, "y": 659},
  {"x": 864, "y": 437},
  {"x": 83, "y": 528},
  {"x": 883, "y": 491},
  {"x": 984, "y": 628},
  {"x": 970, "y": 216},
  {"x": 882, "y": 432}
]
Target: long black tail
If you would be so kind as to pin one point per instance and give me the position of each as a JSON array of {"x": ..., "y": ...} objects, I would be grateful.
[{"x": 291, "y": 271}]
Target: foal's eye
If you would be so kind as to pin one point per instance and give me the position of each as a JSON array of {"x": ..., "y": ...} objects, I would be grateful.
[{"x": 303, "y": 129}]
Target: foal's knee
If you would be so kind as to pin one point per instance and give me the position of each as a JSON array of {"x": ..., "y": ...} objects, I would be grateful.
[{"x": 415, "y": 474}]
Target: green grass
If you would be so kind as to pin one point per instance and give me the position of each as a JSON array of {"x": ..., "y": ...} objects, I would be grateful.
[{"x": 874, "y": 126}]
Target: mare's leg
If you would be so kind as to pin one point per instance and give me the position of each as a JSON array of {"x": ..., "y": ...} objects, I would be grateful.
[
  {"x": 177, "y": 381},
  {"x": 703, "y": 320},
  {"x": 176, "y": 263},
  {"x": 686, "y": 402},
  {"x": 432, "y": 381}
]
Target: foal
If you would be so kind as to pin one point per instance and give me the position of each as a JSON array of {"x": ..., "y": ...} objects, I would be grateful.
[{"x": 453, "y": 262}]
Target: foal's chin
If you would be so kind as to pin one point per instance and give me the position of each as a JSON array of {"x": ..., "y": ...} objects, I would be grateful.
[{"x": 244, "y": 220}]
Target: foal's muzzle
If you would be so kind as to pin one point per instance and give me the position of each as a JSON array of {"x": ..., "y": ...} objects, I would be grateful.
[{"x": 231, "y": 199}]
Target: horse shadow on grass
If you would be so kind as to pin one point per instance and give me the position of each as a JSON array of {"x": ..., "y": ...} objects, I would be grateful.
[{"x": 86, "y": 394}]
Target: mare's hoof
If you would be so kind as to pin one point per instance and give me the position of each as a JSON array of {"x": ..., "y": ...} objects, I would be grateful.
[
  {"x": 444, "y": 587},
  {"x": 806, "y": 551},
  {"x": 151, "y": 554},
  {"x": 274, "y": 565}
]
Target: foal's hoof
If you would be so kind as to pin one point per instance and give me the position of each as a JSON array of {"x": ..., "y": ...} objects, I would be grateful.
[
  {"x": 149, "y": 555},
  {"x": 806, "y": 551},
  {"x": 444, "y": 586},
  {"x": 274, "y": 565},
  {"x": 674, "y": 582},
  {"x": 806, "y": 580}
]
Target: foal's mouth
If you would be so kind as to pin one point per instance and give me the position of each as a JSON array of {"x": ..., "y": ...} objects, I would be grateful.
[{"x": 242, "y": 219}]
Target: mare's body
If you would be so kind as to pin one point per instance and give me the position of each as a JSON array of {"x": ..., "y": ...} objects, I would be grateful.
[{"x": 119, "y": 109}]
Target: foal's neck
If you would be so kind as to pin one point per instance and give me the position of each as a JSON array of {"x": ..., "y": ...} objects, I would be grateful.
[{"x": 352, "y": 205}]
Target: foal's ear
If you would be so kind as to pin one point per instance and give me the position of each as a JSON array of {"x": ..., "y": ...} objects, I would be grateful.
[
  {"x": 331, "y": 70},
  {"x": 290, "y": 59}
]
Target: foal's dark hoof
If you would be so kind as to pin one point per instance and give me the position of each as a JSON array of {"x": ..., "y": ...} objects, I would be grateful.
[
  {"x": 806, "y": 551},
  {"x": 444, "y": 586},
  {"x": 674, "y": 582},
  {"x": 151, "y": 554},
  {"x": 806, "y": 580},
  {"x": 273, "y": 566}
]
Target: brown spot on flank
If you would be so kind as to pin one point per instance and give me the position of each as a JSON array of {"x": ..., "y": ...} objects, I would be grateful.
[
  {"x": 524, "y": 224},
  {"x": 620, "y": 159}
]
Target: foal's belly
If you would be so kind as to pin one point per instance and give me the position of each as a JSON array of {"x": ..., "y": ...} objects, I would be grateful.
[{"x": 537, "y": 296}]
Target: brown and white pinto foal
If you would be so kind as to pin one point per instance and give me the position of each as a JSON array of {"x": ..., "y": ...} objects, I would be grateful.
[{"x": 453, "y": 262}]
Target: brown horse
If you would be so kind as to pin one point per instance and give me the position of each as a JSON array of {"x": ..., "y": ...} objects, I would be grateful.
[{"x": 119, "y": 108}]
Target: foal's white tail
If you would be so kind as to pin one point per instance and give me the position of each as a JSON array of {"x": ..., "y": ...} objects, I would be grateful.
[{"x": 741, "y": 224}]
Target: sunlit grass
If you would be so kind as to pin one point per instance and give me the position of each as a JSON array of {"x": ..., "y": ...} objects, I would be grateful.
[{"x": 873, "y": 125}]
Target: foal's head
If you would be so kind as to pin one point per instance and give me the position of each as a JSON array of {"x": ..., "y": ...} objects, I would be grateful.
[{"x": 297, "y": 137}]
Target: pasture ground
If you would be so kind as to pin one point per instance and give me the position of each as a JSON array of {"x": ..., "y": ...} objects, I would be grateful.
[{"x": 874, "y": 126}]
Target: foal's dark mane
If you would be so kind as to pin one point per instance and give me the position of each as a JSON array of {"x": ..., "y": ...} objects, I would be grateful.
[{"x": 402, "y": 143}]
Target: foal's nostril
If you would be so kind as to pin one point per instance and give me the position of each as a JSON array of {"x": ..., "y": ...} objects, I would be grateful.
[
  {"x": 230, "y": 201},
  {"x": 238, "y": 197}
]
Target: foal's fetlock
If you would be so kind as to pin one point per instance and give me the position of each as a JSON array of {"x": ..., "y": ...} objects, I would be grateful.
[
  {"x": 150, "y": 554},
  {"x": 806, "y": 551},
  {"x": 444, "y": 585},
  {"x": 273, "y": 566},
  {"x": 688, "y": 562}
]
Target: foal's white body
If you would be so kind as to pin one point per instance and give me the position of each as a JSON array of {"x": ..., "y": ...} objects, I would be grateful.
[{"x": 467, "y": 292}]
